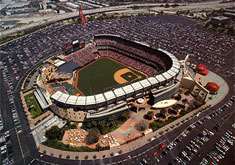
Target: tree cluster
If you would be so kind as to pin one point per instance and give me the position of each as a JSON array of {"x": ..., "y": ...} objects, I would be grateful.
[
  {"x": 142, "y": 125},
  {"x": 54, "y": 133},
  {"x": 149, "y": 115},
  {"x": 92, "y": 136},
  {"x": 107, "y": 125},
  {"x": 178, "y": 97}
]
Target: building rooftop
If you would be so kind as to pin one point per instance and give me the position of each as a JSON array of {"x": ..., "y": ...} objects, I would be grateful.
[
  {"x": 68, "y": 67},
  {"x": 220, "y": 18}
]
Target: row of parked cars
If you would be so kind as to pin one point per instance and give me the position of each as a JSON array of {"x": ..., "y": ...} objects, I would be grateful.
[
  {"x": 24, "y": 63},
  {"x": 14, "y": 67},
  {"x": 1, "y": 123},
  {"x": 193, "y": 147},
  {"x": 13, "y": 107},
  {"x": 173, "y": 144},
  {"x": 220, "y": 149},
  {"x": 7, "y": 156},
  {"x": 5, "y": 74},
  {"x": 204, "y": 136},
  {"x": 7, "y": 79}
]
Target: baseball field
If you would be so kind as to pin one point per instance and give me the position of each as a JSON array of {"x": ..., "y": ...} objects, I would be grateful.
[{"x": 104, "y": 73}]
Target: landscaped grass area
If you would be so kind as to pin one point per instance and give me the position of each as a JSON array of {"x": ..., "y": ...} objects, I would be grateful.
[
  {"x": 33, "y": 105},
  {"x": 99, "y": 75}
]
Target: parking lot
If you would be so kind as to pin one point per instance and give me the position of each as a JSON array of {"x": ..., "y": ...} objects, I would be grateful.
[
  {"x": 7, "y": 156},
  {"x": 189, "y": 146},
  {"x": 174, "y": 34}
]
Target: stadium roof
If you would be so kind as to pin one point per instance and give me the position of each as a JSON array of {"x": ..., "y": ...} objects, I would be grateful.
[
  {"x": 153, "y": 80},
  {"x": 145, "y": 83},
  {"x": 137, "y": 86},
  {"x": 56, "y": 95},
  {"x": 109, "y": 95},
  {"x": 119, "y": 92},
  {"x": 59, "y": 63},
  {"x": 68, "y": 67},
  {"x": 128, "y": 89},
  {"x": 63, "y": 98},
  {"x": 220, "y": 18},
  {"x": 90, "y": 100},
  {"x": 99, "y": 98},
  {"x": 167, "y": 75},
  {"x": 72, "y": 100},
  {"x": 81, "y": 100},
  {"x": 172, "y": 73},
  {"x": 174, "y": 70},
  {"x": 41, "y": 99},
  {"x": 160, "y": 78}
]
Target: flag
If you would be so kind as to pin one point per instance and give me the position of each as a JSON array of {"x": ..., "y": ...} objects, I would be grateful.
[{"x": 82, "y": 15}]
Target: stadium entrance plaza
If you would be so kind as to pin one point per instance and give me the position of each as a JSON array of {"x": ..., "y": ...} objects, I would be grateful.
[{"x": 127, "y": 132}]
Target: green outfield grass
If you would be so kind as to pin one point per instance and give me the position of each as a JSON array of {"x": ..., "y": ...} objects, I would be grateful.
[{"x": 94, "y": 78}]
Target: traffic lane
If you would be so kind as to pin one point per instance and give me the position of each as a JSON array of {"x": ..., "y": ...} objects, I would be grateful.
[
  {"x": 37, "y": 162},
  {"x": 28, "y": 146},
  {"x": 16, "y": 148},
  {"x": 54, "y": 160}
]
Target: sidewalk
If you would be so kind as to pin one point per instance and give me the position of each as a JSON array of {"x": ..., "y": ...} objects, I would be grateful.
[{"x": 127, "y": 147}]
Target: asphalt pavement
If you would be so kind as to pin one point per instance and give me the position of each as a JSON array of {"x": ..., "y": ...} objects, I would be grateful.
[{"x": 25, "y": 151}]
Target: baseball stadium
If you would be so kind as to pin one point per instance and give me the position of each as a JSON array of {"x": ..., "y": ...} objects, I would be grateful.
[{"x": 108, "y": 76}]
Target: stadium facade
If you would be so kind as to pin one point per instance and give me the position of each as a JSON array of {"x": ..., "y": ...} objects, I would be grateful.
[{"x": 161, "y": 84}]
